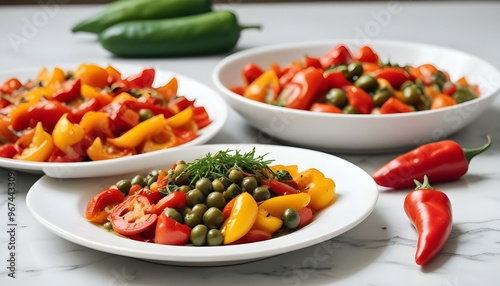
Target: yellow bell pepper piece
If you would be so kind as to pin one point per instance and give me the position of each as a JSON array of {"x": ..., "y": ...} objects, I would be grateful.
[
  {"x": 66, "y": 133},
  {"x": 265, "y": 85},
  {"x": 321, "y": 189},
  {"x": 241, "y": 219},
  {"x": 56, "y": 78},
  {"x": 99, "y": 151},
  {"x": 180, "y": 118},
  {"x": 136, "y": 135},
  {"x": 88, "y": 91},
  {"x": 169, "y": 90},
  {"x": 277, "y": 205},
  {"x": 163, "y": 140},
  {"x": 267, "y": 222},
  {"x": 40, "y": 148},
  {"x": 292, "y": 169}
]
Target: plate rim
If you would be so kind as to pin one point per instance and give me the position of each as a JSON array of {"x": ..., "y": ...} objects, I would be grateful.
[{"x": 230, "y": 254}]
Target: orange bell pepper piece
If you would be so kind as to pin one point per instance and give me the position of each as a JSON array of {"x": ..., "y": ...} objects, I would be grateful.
[
  {"x": 163, "y": 140},
  {"x": 181, "y": 118},
  {"x": 267, "y": 222},
  {"x": 265, "y": 88},
  {"x": 441, "y": 100},
  {"x": 169, "y": 90},
  {"x": 320, "y": 188},
  {"x": 40, "y": 147},
  {"x": 92, "y": 75},
  {"x": 97, "y": 124}
]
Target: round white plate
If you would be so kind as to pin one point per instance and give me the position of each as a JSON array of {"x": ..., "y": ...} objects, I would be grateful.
[
  {"x": 356, "y": 197},
  {"x": 191, "y": 89}
]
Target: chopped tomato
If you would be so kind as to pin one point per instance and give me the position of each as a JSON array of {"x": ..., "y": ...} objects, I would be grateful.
[
  {"x": 170, "y": 232},
  {"x": 100, "y": 206},
  {"x": 132, "y": 216}
]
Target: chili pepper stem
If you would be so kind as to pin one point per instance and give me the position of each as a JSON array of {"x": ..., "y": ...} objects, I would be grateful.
[
  {"x": 471, "y": 153},
  {"x": 424, "y": 185},
  {"x": 244, "y": 27}
]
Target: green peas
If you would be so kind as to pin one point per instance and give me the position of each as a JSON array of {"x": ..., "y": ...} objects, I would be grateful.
[
  {"x": 173, "y": 214},
  {"x": 194, "y": 197},
  {"x": 411, "y": 94},
  {"x": 261, "y": 193},
  {"x": 349, "y": 109},
  {"x": 354, "y": 70},
  {"x": 184, "y": 188},
  {"x": 145, "y": 114},
  {"x": 138, "y": 180},
  {"x": 248, "y": 184},
  {"x": 200, "y": 209},
  {"x": 218, "y": 185},
  {"x": 235, "y": 175},
  {"x": 216, "y": 199},
  {"x": 213, "y": 218},
  {"x": 232, "y": 191},
  {"x": 367, "y": 82},
  {"x": 337, "y": 97},
  {"x": 124, "y": 186},
  {"x": 199, "y": 235},
  {"x": 204, "y": 185},
  {"x": 291, "y": 218},
  {"x": 463, "y": 94},
  {"x": 108, "y": 226},
  {"x": 192, "y": 219},
  {"x": 214, "y": 237},
  {"x": 382, "y": 95}
]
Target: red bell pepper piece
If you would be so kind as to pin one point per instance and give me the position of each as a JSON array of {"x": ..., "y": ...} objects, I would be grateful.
[
  {"x": 253, "y": 235},
  {"x": 430, "y": 212},
  {"x": 279, "y": 188},
  {"x": 366, "y": 54},
  {"x": 201, "y": 117},
  {"x": 180, "y": 103},
  {"x": 8, "y": 150},
  {"x": 171, "y": 232},
  {"x": 156, "y": 109},
  {"x": 395, "y": 75},
  {"x": 312, "y": 62},
  {"x": 441, "y": 161},
  {"x": 305, "y": 86},
  {"x": 176, "y": 200},
  {"x": 122, "y": 118},
  {"x": 325, "y": 107},
  {"x": 69, "y": 91},
  {"x": 132, "y": 216},
  {"x": 336, "y": 56},
  {"x": 75, "y": 153},
  {"x": 141, "y": 80},
  {"x": 48, "y": 112},
  {"x": 394, "y": 105},
  {"x": 337, "y": 79},
  {"x": 250, "y": 72},
  {"x": 358, "y": 98},
  {"x": 96, "y": 210},
  {"x": 93, "y": 104}
]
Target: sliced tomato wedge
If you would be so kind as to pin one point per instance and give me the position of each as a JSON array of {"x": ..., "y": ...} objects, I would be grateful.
[
  {"x": 176, "y": 200},
  {"x": 171, "y": 232},
  {"x": 99, "y": 207},
  {"x": 134, "y": 215}
]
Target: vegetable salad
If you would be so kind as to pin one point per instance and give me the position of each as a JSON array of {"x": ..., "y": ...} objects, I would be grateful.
[
  {"x": 342, "y": 81},
  {"x": 93, "y": 113},
  {"x": 224, "y": 198}
]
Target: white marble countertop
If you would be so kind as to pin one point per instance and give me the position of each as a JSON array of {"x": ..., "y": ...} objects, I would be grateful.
[{"x": 379, "y": 251}]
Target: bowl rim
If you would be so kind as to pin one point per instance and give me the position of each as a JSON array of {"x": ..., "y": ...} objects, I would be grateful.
[{"x": 350, "y": 42}]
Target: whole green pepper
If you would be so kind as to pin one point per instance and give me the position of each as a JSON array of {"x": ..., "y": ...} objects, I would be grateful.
[
  {"x": 202, "y": 34},
  {"x": 122, "y": 11}
]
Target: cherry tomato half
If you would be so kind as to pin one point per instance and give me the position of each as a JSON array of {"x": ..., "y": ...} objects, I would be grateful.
[{"x": 134, "y": 215}]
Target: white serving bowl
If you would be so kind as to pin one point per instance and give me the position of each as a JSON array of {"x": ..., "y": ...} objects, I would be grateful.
[{"x": 359, "y": 133}]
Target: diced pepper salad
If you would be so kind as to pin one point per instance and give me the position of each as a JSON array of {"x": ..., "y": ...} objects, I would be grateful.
[
  {"x": 93, "y": 113},
  {"x": 225, "y": 198},
  {"x": 343, "y": 81}
]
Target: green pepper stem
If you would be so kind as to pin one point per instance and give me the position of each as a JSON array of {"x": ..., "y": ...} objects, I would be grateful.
[
  {"x": 424, "y": 185},
  {"x": 243, "y": 27},
  {"x": 471, "y": 153}
]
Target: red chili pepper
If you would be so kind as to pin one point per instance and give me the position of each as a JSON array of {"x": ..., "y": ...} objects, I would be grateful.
[
  {"x": 365, "y": 54},
  {"x": 337, "y": 79},
  {"x": 441, "y": 161},
  {"x": 312, "y": 62},
  {"x": 430, "y": 212},
  {"x": 280, "y": 188}
]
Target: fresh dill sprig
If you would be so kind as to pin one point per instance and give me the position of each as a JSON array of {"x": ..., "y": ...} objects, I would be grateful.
[{"x": 221, "y": 163}]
